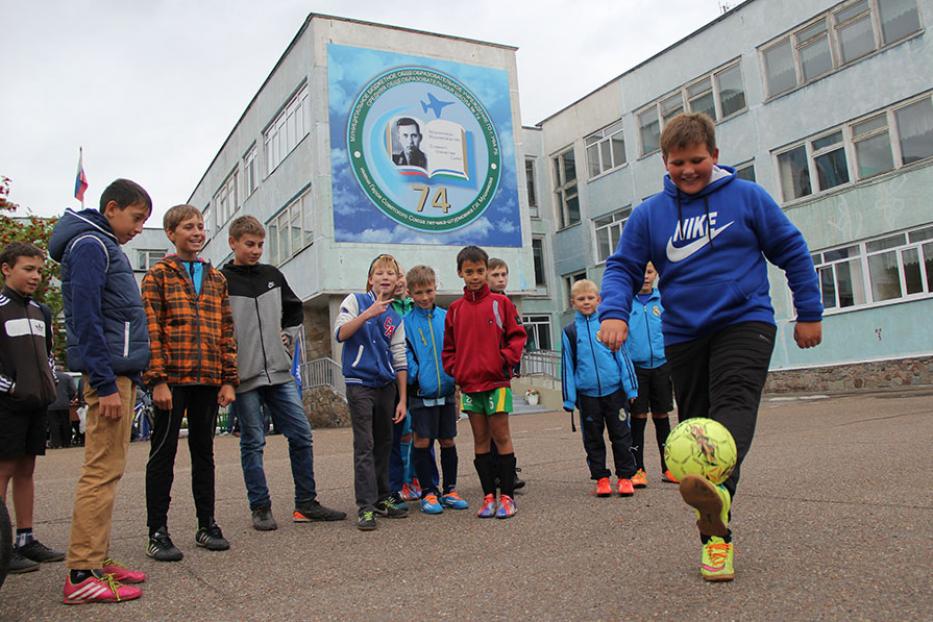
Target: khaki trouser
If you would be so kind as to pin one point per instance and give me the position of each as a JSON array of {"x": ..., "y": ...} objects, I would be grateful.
[{"x": 105, "y": 446}]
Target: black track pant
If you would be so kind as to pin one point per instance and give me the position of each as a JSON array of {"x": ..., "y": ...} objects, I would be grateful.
[
  {"x": 597, "y": 414},
  {"x": 721, "y": 376}
]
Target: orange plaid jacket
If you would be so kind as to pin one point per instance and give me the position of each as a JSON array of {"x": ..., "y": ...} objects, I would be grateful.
[{"x": 191, "y": 336}]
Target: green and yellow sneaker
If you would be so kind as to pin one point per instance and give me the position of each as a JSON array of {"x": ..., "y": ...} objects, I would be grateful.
[
  {"x": 711, "y": 502},
  {"x": 716, "y": 560}
]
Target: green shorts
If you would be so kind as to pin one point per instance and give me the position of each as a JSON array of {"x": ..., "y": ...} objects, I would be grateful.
[{"x": 487, "y": 402}]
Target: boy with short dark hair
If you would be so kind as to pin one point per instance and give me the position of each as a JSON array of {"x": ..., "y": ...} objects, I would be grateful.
[
  {"x": 107, "y": 340},
  {"x": 655, "y": 393},
  {"x": 483, "y": 341},
  {"x": 27, "y": 387},
  {"x": 268, "y": 319},
  {"x": 709, "y": 234},
  {"x": 431, "y": 394},
  {"x": 599, "y": 382},
  {"x": 193, "y": 371}
]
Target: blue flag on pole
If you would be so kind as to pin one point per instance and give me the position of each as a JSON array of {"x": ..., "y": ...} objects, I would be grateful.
[{"x": 296, "y": 362}]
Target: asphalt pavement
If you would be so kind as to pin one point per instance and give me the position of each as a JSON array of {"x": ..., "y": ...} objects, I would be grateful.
[{"x": 833, "y": 521}]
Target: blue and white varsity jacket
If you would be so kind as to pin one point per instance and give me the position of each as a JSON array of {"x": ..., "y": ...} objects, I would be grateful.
[{"x": 376, "y": 352}]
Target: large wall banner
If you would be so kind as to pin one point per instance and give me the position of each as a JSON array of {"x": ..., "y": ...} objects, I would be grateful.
[{"x": 422, "y": 150}]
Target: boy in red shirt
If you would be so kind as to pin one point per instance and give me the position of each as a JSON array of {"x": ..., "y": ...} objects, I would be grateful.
[{"x": 483, "y": 341}]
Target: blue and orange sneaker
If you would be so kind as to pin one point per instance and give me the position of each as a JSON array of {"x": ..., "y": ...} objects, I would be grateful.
[
  {"x": 430, "y": 504},
  {"x": 408, "y": 494},
  {"x": 488, "y": 509},
  {"x": 506, "y": 507},
  {"x": 416, "y": 487},
  {"x": 454, "y": 501}
]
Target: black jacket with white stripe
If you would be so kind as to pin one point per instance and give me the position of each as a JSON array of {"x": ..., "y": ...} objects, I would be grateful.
[{"x": 26, "y": 363}]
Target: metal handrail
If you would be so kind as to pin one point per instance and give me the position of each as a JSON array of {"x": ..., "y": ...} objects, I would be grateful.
[{"x": 323, "y": 372}]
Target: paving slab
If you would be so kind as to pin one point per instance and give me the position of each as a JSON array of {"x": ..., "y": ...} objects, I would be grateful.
[{"x": 833, "y": 521}]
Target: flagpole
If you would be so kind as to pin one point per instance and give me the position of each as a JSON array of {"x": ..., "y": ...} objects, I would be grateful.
[{"x": 81, "y": 168}]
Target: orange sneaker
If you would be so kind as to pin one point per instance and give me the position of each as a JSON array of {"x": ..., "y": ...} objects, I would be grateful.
[
  {"x": 668, "y": 477},
  {"x": 603, "y": 488},
  {"x": 626, "y": 487},
  {"x": 640, "y": 479}
]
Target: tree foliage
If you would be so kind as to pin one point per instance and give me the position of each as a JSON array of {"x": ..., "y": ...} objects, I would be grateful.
[{"x": 36, "y": 230}]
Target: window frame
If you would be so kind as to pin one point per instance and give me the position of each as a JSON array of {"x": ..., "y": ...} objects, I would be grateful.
[
  {"x": 624, "y": 213},
  {"x": 849, "y": 144},
  {"x": 531, "y": 187},
  {"x": 251, "y": 172},
  {"x": 863, "y": 255},
  {"x": 542, "y": 286},
  {"x": 683, "y": 91},
  {"x": 296, "y": 108},
  {"x": 224, "y": 210},
  {"x": 835, "y": 22},
  {"x": 533, "y": 322},
  {"x": 151, "y": 259},
  {"x": 302, "y": 206},
  {"x": 565, "y": 190},
  {"x": 606, "y": 135}
]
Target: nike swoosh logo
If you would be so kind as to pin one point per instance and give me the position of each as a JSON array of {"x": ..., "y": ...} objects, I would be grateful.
[{"x": 675, "y": 254}]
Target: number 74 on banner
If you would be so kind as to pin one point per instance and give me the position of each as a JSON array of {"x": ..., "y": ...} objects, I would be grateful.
[{"x": 439, "y": 201}]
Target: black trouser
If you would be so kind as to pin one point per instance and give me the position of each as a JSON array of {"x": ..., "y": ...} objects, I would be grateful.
[
  {"x": 721, "y": 376},
  {"x": 606, "y": 412},
  {"x": 371, "y": 412},
  {"x": 199, "y": 403},
  {"x": 59, "y": 428}
]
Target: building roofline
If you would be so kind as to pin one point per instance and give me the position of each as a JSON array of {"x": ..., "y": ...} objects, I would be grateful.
[
  {"x": 721, "y": 17},
  {"x": 301, "y": 30}
]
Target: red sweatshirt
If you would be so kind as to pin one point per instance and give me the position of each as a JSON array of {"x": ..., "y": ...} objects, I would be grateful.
[{"x": 483, "y": 340}]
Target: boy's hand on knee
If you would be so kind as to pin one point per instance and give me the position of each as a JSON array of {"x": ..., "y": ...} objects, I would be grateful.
[
  {"x": 808, "y": 334},
  {"x": 162, "y": 396},
  {"x": 612, "y": 333},
  {"x": 111, "y": 406}
]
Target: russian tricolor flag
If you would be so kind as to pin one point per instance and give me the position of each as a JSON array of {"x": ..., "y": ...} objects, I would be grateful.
[{"x": 80, "y": 177}]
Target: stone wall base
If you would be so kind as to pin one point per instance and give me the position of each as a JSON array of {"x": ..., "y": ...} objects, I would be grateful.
[{"x": 855, "y": 377}]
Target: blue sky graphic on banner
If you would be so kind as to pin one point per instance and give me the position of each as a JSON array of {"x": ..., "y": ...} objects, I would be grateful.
[{"x": 422, "y": 150}]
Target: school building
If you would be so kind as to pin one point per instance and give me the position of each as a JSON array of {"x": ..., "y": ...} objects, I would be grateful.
[{"x": 367, "y": 138}]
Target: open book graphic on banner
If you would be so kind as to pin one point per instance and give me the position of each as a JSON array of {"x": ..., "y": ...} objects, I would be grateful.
[{"x": 428, "y": 148}]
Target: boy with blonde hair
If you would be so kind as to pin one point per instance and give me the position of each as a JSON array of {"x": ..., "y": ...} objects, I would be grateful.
[
  {"x": 709, "y": 234},
  {"x": 599, "y": 382},
  {"x": 193, "y": 371}
]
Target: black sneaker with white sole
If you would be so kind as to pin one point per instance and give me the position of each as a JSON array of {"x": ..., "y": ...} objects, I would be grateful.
[
  {"x": 211, "y": 538},
  {"x": 161, "y": 548}
]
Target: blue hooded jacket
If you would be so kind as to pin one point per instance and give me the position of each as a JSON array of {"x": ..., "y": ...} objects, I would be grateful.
[
  {"x": 645, "y": 337},
  {"x": 424, "y": 333},
  {"x": 595, "y": 371},
  {"x": 105, "y": 323},
  {"x": 710, "y": 250}
]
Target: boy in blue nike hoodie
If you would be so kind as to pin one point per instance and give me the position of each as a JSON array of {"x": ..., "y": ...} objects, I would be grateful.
[
  {"x": 431, "y": 394},
  {"x": 599, "y": 382},
  {"x": 709, "y": 234},
  {"x": 655, "y": 393},
  {"x": 373, "y": 338}
]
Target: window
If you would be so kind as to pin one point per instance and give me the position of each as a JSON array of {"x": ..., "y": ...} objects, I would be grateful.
[
  {"x": 251, "y": 171},
  {"x": 538, "y": 328},
  {"x": 209, "y": 224},
  {"x": 878, "y": 143},
  {"x": 565, "y": 189},
  {"x": 146, "y": 258},
  {"x": 746, "y": 171},
  {"x": 609, "y": 232},
  {"x": 834, "y": 39},
  {"x": 915, "y": 129},
  {"x": 532, "y": 192},
  {"x": 288, "y": 129},
  {"x": 537, "y": 248},
  {"x": 719, "y": 94},
  {"x": 290, "y": 231},
  {"x": 569, "y": 280},
  {"x": 226, "y": 200},
  {"x": 892, "y": 267},
  {"x": 605, "y": 149},
  {"x": 650, "y": 130}
]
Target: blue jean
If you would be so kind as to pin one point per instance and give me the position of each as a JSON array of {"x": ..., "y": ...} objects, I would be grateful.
[{"x": 288, "y": 413}]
